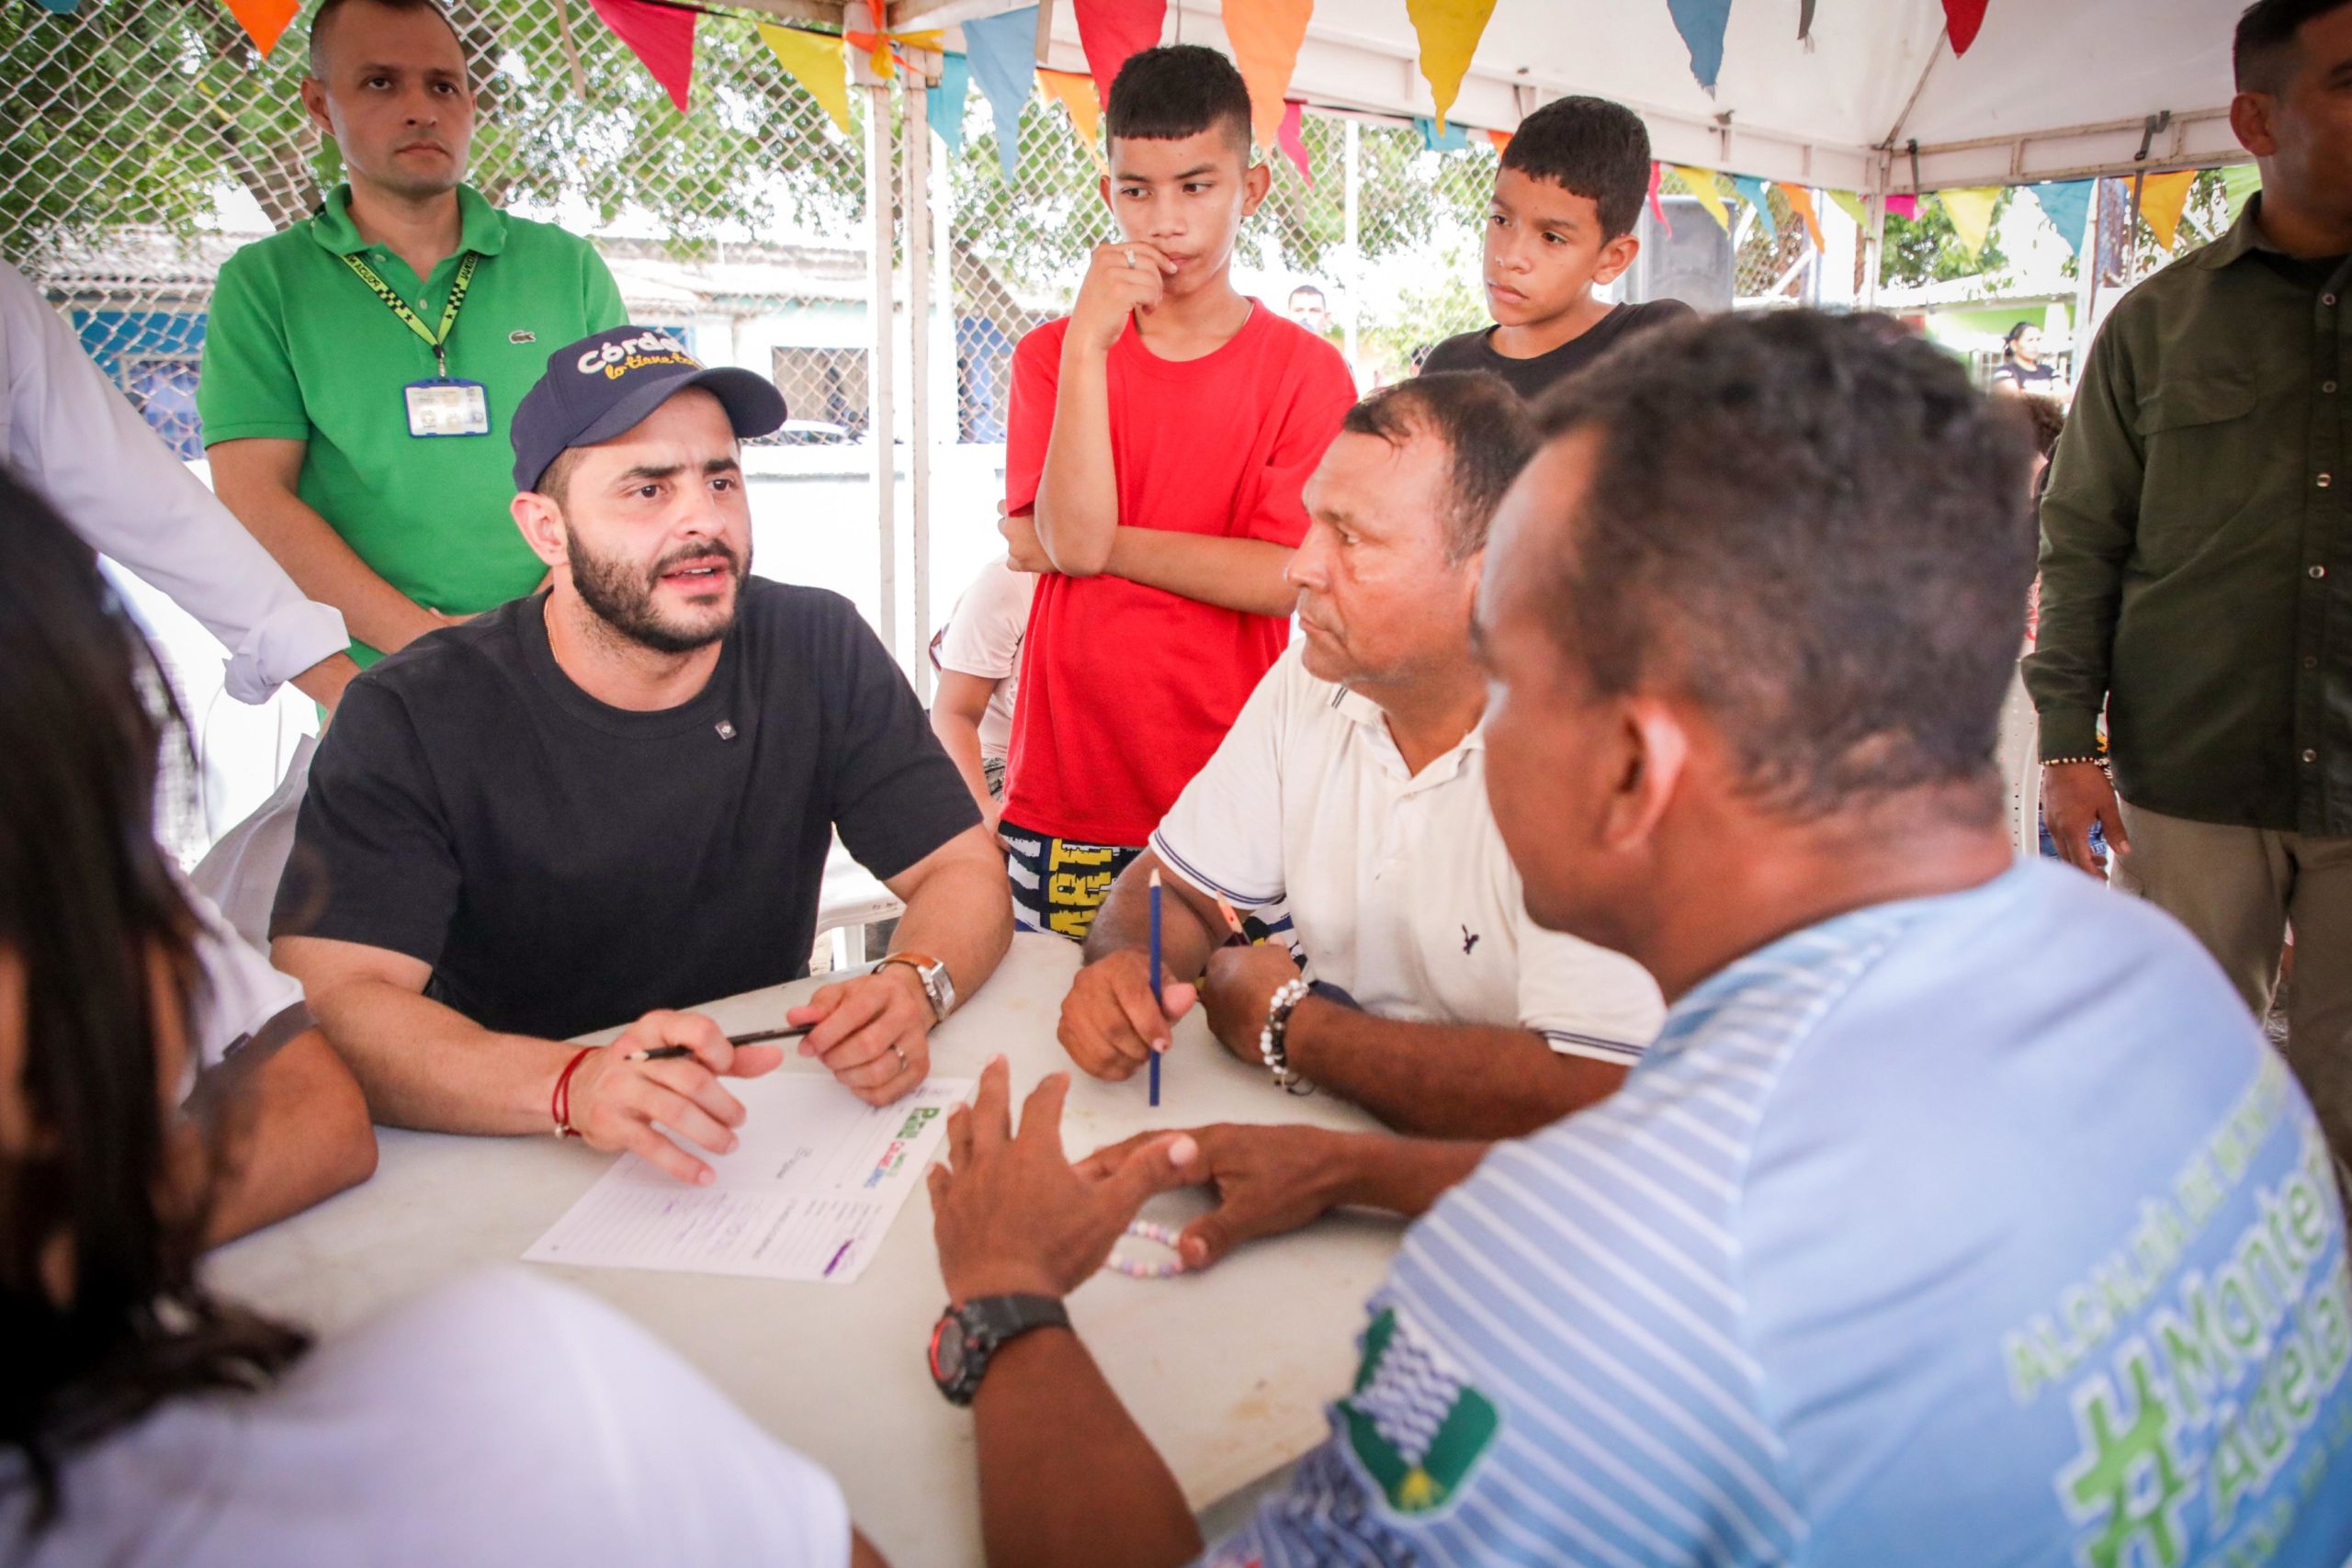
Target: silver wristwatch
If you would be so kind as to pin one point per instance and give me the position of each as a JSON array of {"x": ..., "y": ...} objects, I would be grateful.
[{"x": 937, "y": 988}]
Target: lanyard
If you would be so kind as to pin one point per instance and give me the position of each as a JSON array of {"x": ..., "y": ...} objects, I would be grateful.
[{"x": 437, "y": 342}]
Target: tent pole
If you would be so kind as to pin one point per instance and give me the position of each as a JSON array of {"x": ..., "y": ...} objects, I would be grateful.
[
  {"x": 1873, "y": 250},
  {"x": 882, "y": 415},
  {"x": 918, "y": 189},
  {"x": 1351, "y": 180}
]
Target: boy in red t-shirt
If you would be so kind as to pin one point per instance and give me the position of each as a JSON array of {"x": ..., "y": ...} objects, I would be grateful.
[{"x": 1159, "y": 437}]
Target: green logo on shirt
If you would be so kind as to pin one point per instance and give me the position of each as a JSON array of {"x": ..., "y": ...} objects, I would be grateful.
[{"x": 1415, "y": 1423}]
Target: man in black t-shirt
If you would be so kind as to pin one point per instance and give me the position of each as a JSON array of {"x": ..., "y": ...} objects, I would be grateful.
[
  {"x": 1567, "y": 196},
  {"x": 614, "y": 799}
]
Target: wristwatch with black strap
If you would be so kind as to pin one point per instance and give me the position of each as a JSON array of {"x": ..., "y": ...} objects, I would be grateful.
[
  {"x": 937, "y": 988},
  {"x": 966, "y": 1336}
]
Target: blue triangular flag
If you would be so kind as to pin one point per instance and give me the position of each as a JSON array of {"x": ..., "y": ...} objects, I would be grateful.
[
  {"x": 1005, "y": 62},
  {"x": 2067, "y": 205},
  {"x": 1702, "y": 23},
  {"x": 945, "y": 102},
  {"x": 1753, "y": 190},
  {"x": 1456, "y": 137}
]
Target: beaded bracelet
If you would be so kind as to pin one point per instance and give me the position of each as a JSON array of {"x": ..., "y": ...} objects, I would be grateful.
[
  {"x": 2069, "y": 761},
  {"x": 1147, "y": 1231},
  {"x": 1287, "y": 994}
]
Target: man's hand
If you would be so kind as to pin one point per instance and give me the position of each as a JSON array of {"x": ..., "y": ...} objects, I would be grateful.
[
  {"x": 1110, "y": 1025},
  {"x": 1124, "y": 276},
  {"x": 615, "y": 1103},
  {"x": 1240, "y": 982},
  {"x": 2074, "y": 795},
  {"x": 1268, "y": 1180},
  {"x": 1023, "y": 551},
  {"x": 1011, "y": 1214},
  {"x": 873, "y": 1032}
]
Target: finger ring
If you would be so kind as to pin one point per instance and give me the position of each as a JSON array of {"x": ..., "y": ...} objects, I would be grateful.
[
  {"x": 1130, "y": 256},
  {"x": 902, "y": 1057},
  {"x": 1147, "y": 1231}
]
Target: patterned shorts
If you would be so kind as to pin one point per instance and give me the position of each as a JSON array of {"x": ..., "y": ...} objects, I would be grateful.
[{"x": 1058, "y": 883}]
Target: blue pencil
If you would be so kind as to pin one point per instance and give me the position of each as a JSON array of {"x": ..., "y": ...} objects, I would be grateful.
[{"x": 1155, "y": 979}]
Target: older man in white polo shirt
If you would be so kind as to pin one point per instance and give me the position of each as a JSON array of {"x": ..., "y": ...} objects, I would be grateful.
[{"x": 1352, "y": 793}]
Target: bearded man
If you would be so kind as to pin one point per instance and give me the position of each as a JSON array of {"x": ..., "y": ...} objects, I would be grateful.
[{"x": 613, "y": 800}]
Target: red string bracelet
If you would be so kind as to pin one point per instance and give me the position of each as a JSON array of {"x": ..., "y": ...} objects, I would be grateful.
[{"x": 559, "y": 1107}]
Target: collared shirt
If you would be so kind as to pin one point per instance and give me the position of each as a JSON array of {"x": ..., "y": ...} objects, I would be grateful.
[
  {"x": 297, "y": 348},
  {"x": 1398, "y": 884},
  {"x": 2197, "y": 549},
  {"x": 1981, "y": 1229},
  {"x": 66, "y": 431}
]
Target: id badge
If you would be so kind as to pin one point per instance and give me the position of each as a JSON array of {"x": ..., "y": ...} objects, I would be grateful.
[{"x": 446, "y": 406}]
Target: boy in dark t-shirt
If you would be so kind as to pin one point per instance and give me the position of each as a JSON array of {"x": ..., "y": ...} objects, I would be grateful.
[
  {"x": 1158, "y": 440},
  {"x": 1566, "y": 195}
]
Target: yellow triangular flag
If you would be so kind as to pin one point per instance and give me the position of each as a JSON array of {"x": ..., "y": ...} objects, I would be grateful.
[
  {"x": 2162, "y": 196},
  {"x": 1972, "y": 214},
  {"x": 1801, "y": 203},
  {"x": 1265, "y": 35},
  {"x": 1703, "y": 184},
  {"x": 1448, "y": 31},
  {"x": 1851, "y": 205},
  {"x": 818, "y": 61},
  {"x": 1074, "y": 90}
]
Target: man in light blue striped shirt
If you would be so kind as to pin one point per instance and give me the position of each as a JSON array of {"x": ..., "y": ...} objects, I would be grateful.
[{"x": 1959, "y": 1216}]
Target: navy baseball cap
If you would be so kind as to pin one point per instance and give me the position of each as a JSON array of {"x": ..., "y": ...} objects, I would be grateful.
[{"x": 606, "y": 383}]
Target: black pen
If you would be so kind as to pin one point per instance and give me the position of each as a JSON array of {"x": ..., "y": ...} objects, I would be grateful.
[{"x": 672, "y": 1052}]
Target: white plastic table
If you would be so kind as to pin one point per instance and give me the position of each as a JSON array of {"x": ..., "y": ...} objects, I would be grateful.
[{"x": 1227, "y": 1370}]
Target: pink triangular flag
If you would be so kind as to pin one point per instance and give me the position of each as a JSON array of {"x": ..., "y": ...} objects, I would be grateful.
[
  {"x": 1291, "y": 140},
  {"x": 661, "y": 36},
  {"x": 1904, "y": 207},
  {"x": 1962, "y": 19},
  {"x": 1658, "y": 207},
  {"x": 1111, "y": 30}
]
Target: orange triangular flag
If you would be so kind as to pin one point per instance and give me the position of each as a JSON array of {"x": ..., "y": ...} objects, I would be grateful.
[
  {"x": 1801, "y": 203},
  {"x": 2162, "y": 199},
  {"x": 264, "y": 20},
  {"x": 1074, "y": 90},
  {"x": 1265, "y": 35},
  {"x": 1501, "y": 139}
]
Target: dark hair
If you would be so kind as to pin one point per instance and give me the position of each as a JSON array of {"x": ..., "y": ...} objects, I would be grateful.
[
  {"x": 1589, "y": 147},
  {"x": 1175, "y": 91},
  {"x": 1488, "y": 436},
  {"x": 2044, "y": 417},
  {"x": 2262, "y": 54},
  {"x": 1810, "y": 527},
  {"x": 2009, "y": 339},
  {"x": 328, "y": 8},
  {"x": 1307, "y": 289},
  {"x": 92, "y": 913}
]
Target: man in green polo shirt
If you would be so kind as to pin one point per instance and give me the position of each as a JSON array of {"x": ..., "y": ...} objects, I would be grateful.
[
  {"x": 360, "y": 368},
  {"x": 2197, "y": 567}
]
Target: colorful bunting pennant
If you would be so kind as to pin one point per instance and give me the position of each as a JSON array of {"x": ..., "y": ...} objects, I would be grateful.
[
  {"x": 662, "y": 37},
  {"x": 2162, "y": 199},
  {"x": 2067, "y": 206},
  {"x": 1962, "y": 19},
  {"x": 1439, "y": 137},
  {"x": 818, "y": 61},
  {"x": 1111, "y": 30},
  {"x": 1501, "y": 139},
  {"x": 1075, "y": 92},
  {"x": 1004, "y": 62},
  {"x": 2239, "y": 182},
  {"x": 1265, "y": 35},
  {"x": 1290, "y": 136},
  {"x": 1752, "y": 191},
  {"x": 1702, "y": 23},
  {"x": 1702, "y": 183},
  {"x": 1800, "y": 202},
  {"x": 1449, "y": 32},
  {"x": 1972, "y": 214},
  {"x": 1658, "y": 207},
  {"x": 945, "y": 102},
  {"x": 264, "y": 20},
  {"x": 1852, "y": 206},
  {"x": 1904, "y": 207}
]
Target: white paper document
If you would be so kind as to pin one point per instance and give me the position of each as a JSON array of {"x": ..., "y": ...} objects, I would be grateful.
[{"x": 809, "y": 1194}]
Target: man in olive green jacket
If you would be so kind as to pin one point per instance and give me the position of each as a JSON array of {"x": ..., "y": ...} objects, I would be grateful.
[{"x": 2197, "y": 567}]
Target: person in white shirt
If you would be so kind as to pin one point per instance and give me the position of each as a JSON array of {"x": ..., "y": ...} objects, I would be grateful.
[
  {"x": 1352, "y": 790},
  {"x": 147, "y": 1422},
  {"x": 67, "y": 433},
  {"x": 977, "y": 655}
]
